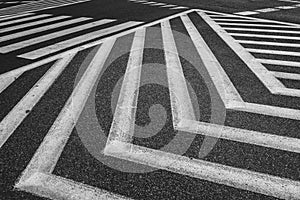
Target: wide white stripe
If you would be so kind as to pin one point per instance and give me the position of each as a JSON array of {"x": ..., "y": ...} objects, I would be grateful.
[
  {"x": 285, "y": 7},
  {"x": 246, "y": 13},
  {"x": 269, "y": 43},
  {"x": 233, "y": 20},
  {"x": 279, "y": 62},
  {"x": 24, "y": 19},
  {"x": 242, "y": 135},
  {"x": 122, "y": 127},
  {"x": 264, "y": 36},
  {"x": 178, "y": 7},
  {"x": 18, "y": 45},
  {"x": 257, "y": 25},
  {"x": 158, "y": 4},
  {"x": 267, "y": 10},
  {"x": 33, "y": 24},
  {"x": 46, "y": 157},
  {"x": 7, "y": 80},
  {"x": 261, "y": 30},
  {"x": 275, "y": 52},
  {"x": 14, "y": 118},
  {"x": 181, "y": 104},
  {"x": 168, "y": 6},
  {"x": 77, "y": 40},
  {"x": 16, "y": 16},
  {"x": 214, "y": 172},
  {"x": 284, "y": 75}
]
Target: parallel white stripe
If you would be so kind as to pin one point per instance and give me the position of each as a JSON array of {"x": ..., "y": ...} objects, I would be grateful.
[
  {"x": 77, "y": 40},
  {"x": 158, "y": 4},
  {"x": 149, "y": 2},
  {"x": 14, "y": 118},
  {"x": 285, "y": 7},
  {"x": 264, "y": 36},
  {"x": 181, "y": 104},
  {"x": 225, "y": 88},
  {"x": 269, "y": 43},
  {"x": 7, "y": 80},
  {"x": 258, "y": 25},
  {"x": 167, "y": 6},
  {"x": 234, "y": 20},
  {"x": 24, "y": 19},
  {"x": 16, "y": 16},
  {"x": 45, "y": 159},
  {"x": 14, "y": 46},
  {"x": 242, "y": 135},
  {"x": 289, "y": 76},
  {"x": 279, "y": 62},
  {"x": 275, "y": 52},
  {"x": 267, "y": 10},
  {"x": 179, "y": 7},
  {"x": 270, "y": 82},
  {"x": 261, "y": 30},
  {"x": 33, "y": 24},
  {"x": 122, "y": 127},
  {"x": 214, "y": 172},
  {"x": 246, "y": 13}
]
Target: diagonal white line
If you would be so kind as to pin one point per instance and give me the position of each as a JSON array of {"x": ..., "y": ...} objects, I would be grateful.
[
  {"x": 15, "y": 16},
  {"x": 252, "y": 29},
  {"x": 289, "y": 76},
  {"x": 264, "y": 36},
  {"x": 258, "y": 25},
  {"x": 275, "y": 52},
  {"x": 24, "y": 19},
  {"x": 269, "y": 43}
]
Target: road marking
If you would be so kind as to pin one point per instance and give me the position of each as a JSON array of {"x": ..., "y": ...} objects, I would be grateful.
[
  {"x": 158, "y": 4},
  {"x": 259, "y": 25},
  {"x": 77, "y": 40},
  {"x": 246, "y": 13},
  {"x": 275, "y": 52},
  {"x": 268, "y": 43},
  {"x": 279, "y": 62},
  {"x": 179, "y": 7},
  {"x": 7, "y": 80},
  {"x": 289, "y": 76},
  {"x": 285, "y": 7},
  {"x": 24, "y": 19},
  {"x": 252, "y": 29},
  {"x": 234, "y": 20},
  {"x": 122, "y": 127},
  {"x": 16, "y": 16},
  {"x": 14, "y": 118},
  {"x": 33, "y": 24},
  {"x": 168, "y": 6},
  {"x": 18, "y": 45},
  {"x": 264, "y": 36},
  {"x": 267, "y": 10},
  {"x": 213, "y": 172}
]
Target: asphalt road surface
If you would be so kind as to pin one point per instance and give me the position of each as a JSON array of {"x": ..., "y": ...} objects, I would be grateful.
[{"x": 138, "y": 99}]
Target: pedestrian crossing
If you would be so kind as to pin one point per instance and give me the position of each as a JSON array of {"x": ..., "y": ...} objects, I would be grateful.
[
  {"x": 160, "y": 5},
  {"x": 39, "y": 178},
  {"x": 36, "y": 6},
  {"x": 17, "y": 33}
]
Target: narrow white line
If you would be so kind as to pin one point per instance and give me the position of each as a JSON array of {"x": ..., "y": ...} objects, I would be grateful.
[
  {"x": 225, "y": 88},
  {"x": 16, "y": 16},
  {"x": 252, "y": 29},
  {"x": 33, "y": 24},
  {"x": 7, "y": 80},
  {"x": 298, "y": 5},
  {"x": 242, "y": 135},
  {"x": 158, "y": 4},
  {"x": 257, "y": 25},
  {"x": 289, "y": 76},
  {"x": 234, "y": 20},
  {"x": 275, "y": 52},
  {"x": 269, "y": 81},
  {"x": 246, "y": 13},
  {"x": 168, "y": 6},
  {"x": 178, "y": 7},
  {"x": 264, "y": 36},
  {"x": 269, "y": 43},
  {"x": 122, "y": 127},
  {"x": 181, "y": 104},
  {"x": 279, "y": 62},
  {"x": 77, "y": 40},
  {"x": 267, "y": 10},
  {"x": 24, "y": 19},
  {"x": 14, "y": 118},
  {"x": 149, "y": 2},
  {"x": 214, "y": 172},
  {"x": 47, "y": 155},
  {"x": 14, "y": 46},
  {"x": 285, "y": 7},
  {"x": 290, "y": 1}
]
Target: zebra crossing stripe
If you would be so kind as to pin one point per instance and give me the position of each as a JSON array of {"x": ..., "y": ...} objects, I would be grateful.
[
  {"x": 15, "y": 16},
  {"x": 289, "y": 76},
  {"x": 246, "y": 13},
  {"x": 33, "y": 23},
  {"x": 22, "y": 44},
  {"x": 257, "y": 25},
  {"x": 262, "y": 30},
  {"x": 269, "y": 43},
  {"x": 265, "y": 36},
  {"x": 24, "y": 19},
  {"x": 279, "y": 62},
  {"x": 77, "y": 40},
  {"x": 14, "y": 118},
  {"x": 275, "y": 52}
]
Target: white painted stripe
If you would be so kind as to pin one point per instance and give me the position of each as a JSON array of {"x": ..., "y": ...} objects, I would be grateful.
[
  {"x": 275, "y": 52},
  {"x": 257, "y": 25},
  {"x": 290, "y": 1},
  {"x": 122, "y": 127},
  {"x": 285, "y": 7},
  {"x": 158, "y": 4},
  {"x": 225, "y": 88},
  {"x": 298, "y": 5},
  {"x": 269, "y": 81},
  {"x": 77, "y": 40},
  {"x": 264, "y": 36},
  {"x": 181, "y": 104},
  {"x": 7, "y": 80},
  {"x": 24, "y": 19},
  {"x": 289, "y": 76},
  {"x": 14, "y": 118},
  {"x": 242, "y": 135},
  {"x": 149, "y": 2},
  {"x": 37, "y": 30},
  {"x": 234, "y": 20},
  {"x": 168, "y": 6},
  {"x": 252, "y": 29},
  {"x": 16, "y": 16},
  {"x": 267, "y": 10},
  {"x": 47, "y": 155},
  {"x": 33, "y": 24},
  {"x": 178, "y": 7},
  {"x": 246, "y": 13},
  {"x": 279, "y": 62},
  {"x": 269, "y": 43},
  {"x": 214, "y": 172}
]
